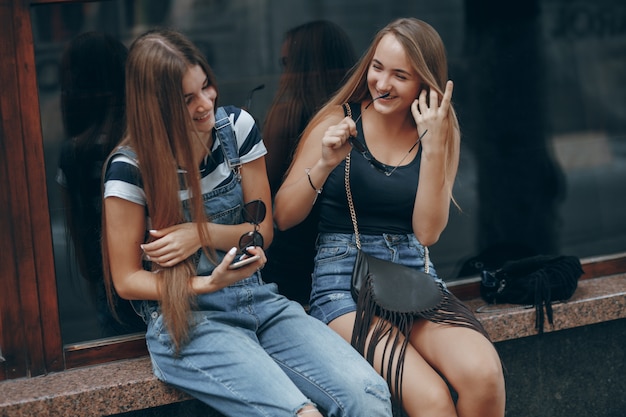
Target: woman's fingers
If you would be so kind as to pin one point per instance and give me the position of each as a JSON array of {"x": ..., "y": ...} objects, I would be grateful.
[
  {"x": 447, "y": 97},
  {"x": 338, "y": 134},
  {"x": 422, "y": 108}
]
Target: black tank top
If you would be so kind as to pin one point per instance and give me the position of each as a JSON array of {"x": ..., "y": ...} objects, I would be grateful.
[{"x": 383, "y": 204}]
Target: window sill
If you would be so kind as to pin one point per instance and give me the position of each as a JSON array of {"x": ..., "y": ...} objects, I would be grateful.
[{"x": 129, "y": 385}]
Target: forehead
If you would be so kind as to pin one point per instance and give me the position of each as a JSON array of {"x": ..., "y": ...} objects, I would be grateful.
[
  {"x": 390, "y": 52},
  {"x": 194, "y": 78}
]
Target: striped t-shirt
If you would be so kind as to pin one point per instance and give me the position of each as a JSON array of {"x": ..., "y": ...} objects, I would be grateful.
[{"x": 123, "y": 178}]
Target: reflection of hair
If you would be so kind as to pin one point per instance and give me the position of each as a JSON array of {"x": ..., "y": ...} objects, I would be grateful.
[
  {"x": 426, "y": 52},
  {"x": 317, "y": 56},
  {"x": 159, "y": 129},
  {"x": 92, "y": 84},
  {"x": 92, "y": 106}
]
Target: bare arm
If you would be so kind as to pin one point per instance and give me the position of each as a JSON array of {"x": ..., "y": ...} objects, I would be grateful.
[
  {"x": 176, "y": 243},
  {"x": 320, "y": 152},
  {"x": 437, "y": 170},
  {"x": 125, "y": 228}
]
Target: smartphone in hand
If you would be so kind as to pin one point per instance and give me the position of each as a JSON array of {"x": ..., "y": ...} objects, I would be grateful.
[{"x": 244, "y": 262}]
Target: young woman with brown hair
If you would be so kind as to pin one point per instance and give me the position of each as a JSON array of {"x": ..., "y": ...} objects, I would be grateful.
[{"x": 180, "y": 194}]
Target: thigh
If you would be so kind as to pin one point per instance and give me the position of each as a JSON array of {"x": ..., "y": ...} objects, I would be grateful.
[
  {"x": 461, "y": 354},
  {"x": 324, "y": 366},
  {"x": 423, "y": 389},
  {"x": 225, "y": 367}
]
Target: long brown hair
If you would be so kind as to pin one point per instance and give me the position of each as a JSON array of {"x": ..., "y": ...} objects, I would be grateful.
[
  {"x": 427, "y": 54},
  {"x": 317, "y": 57},
  {"x": 159, "y": 129}
]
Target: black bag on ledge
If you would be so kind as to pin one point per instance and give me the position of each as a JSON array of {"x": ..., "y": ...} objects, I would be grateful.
[{"x": 536, "y": 281}]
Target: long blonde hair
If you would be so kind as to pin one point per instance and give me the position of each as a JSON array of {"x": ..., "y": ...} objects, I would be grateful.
[
  {"x": 427, "y": 54},
  {"x": 159, "y": 130}
]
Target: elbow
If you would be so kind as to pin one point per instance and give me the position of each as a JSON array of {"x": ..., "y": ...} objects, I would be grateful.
[
  {"x": 288, "y": 212},
  {"x": 281, "y": 220},
  {"x": 427, "y": 230},
  {"x": 280, "y": 223},
  {"x": 284, "y": 221},
  {"x": 427, "y": 239},
  {"x": 122, "y": 291},
  {"x": 121, "y": 286},
  {"x": 428, "y": 236}
]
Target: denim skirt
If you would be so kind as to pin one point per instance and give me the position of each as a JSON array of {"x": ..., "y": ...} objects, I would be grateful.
[{"x": 334, "y": 262}]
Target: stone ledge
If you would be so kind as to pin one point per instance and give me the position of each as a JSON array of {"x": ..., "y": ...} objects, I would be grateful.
[
  {"x": 595, "y": 300},
  {"x": 99, "y": 390},
  {"x": 129, "y": 385}
]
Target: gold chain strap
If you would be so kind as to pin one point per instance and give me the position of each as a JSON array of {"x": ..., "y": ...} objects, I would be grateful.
[
  {"x": 348, "y": 112},
  {"x": 350, "y": 203},
  {"x": 357, "y": 236}
]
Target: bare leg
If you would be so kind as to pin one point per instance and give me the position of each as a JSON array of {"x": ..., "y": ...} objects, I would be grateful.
[
  {"x": 425, "y": 393},
  {"x": 469, "y": 362}
]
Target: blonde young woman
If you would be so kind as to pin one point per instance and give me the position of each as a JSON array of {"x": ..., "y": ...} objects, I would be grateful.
[
  {"x": 184, "y": 198},
  {"x": 401, "y": 187}
]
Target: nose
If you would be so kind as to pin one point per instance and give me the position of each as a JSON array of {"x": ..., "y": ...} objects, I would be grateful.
[
  {"x": 206, "y": 104},
  {"x": 207, "y": 100},
  {"x": 382, "y": 83}
]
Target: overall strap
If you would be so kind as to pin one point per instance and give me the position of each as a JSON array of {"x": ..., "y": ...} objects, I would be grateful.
[
  {"x": 226, "y": 136},
  {"x": 120, "y": 150},
  {"x": 126, "y": 151}
]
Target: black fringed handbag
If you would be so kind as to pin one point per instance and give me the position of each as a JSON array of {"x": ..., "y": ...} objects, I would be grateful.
[
  {"x": 391, "y": 288},
  {"x": 537, "y": 281}
]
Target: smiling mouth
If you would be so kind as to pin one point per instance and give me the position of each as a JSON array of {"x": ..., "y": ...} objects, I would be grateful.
[{"x": 202, "y": 118}]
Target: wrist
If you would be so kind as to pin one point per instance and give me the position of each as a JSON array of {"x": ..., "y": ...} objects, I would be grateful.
[
  {"x": 202, "y": 284},
  {"x": 308, "y": 175},
  {"x": 316, "y": 178},
  {"x": 433, "y": 152}
]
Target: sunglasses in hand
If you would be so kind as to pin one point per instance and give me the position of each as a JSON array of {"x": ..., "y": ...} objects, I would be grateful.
[{"x": 252, "y": 212}]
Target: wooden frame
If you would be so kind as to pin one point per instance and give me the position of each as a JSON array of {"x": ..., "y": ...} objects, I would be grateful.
[{"x": 31, "y": 337}]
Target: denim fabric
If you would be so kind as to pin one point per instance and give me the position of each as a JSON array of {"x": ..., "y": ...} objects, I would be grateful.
[
  {"x": 334, "y": 262},
  {"x": 252, "y": 352}
]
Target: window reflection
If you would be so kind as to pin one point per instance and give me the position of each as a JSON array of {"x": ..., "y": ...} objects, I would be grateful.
[
  {"x": 539, "y": 88},
  {"x": 92, "y": 74}
]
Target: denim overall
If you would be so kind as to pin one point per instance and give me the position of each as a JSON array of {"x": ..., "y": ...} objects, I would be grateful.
[{"x": 251, "y": 351}]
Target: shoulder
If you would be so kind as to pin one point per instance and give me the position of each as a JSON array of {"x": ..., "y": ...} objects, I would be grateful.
[
  {"x": 330, "y": 115},
  {"x": 123, "y": 177},
  {"x": 246, "y": 133},
  {"x": 123, "y": 165},
  {"x": 242, "y": 122},
  {"x": 238, "y": 116}
]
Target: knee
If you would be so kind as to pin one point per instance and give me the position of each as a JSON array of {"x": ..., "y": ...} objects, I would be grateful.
[
  {"x": 484, "y": 379},
  {"x": 438, "y": 395},
  {"x": 435, "y": 399},
  {"x": 374, "y": 399}
]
